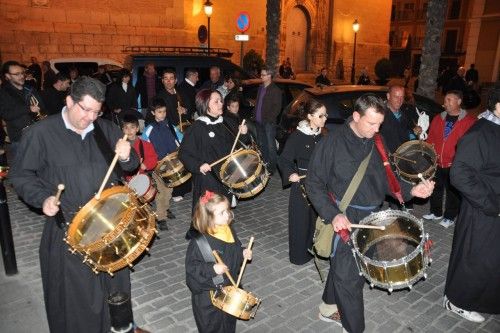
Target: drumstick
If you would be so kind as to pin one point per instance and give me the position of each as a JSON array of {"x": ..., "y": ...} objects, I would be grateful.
[
  {"x": 302, "y": 177},
  {"x": 404, "y": 158},
  {"x": 111, "y": 167},
  {"x": 223, "y": 158},
  {"x": 250, "y": 243},
  {"x": 424, "y": 181},
  {"x": 219, "y": 261},
  {"x": 368, "y": 226},
  {"x": 237, "y": 135},
  {"x": 60, "y": 188}
]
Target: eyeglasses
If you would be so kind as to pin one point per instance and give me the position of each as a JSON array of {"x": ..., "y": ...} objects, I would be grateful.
[
  {"x": 97, "y": 113},
  {"x": 18, "y": 74}
]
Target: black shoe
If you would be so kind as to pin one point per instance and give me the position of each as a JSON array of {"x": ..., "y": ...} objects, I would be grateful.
[
  {"x": 170, "y": 215},
  {"x": 162, "y": 225}
]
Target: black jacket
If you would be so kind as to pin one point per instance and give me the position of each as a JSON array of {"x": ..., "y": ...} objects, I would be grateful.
[
  {"x": 396, "y": 132},
  {"x": 15, "y": 110},
  {"x": 54, "y": 100}
]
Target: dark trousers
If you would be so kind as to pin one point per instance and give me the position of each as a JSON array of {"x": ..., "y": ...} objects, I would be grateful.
[
  {"x": 344, "y": 287},
  {"x": 452, "y": 203},
  {"x": 266, "y": 139}
]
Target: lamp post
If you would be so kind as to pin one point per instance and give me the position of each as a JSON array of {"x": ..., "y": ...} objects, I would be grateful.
[
  {"x": 207, "y": 6},
  {"x": 355, "y": 27}
]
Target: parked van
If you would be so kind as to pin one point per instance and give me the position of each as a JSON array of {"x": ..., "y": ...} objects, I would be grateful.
[{"x": 85, "y": 66}]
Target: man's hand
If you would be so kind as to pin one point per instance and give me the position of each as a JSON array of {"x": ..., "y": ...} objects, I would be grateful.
[
  {"x": 50, "y": 206},
  {"x": 340, "y": 222},
  {"x": 423, "y": 189},
  {"x": 294, "y": 177},
  {"x": 122, "y": 148},
  {"x": 220, "y": 268},
  {"x": 181, "y": 110},
  {"x": 35, "y": 108},
  {"x": 204, "y": 168}
]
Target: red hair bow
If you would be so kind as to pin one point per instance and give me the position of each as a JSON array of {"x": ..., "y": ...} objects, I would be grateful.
[{"x": 207, "y": 196}]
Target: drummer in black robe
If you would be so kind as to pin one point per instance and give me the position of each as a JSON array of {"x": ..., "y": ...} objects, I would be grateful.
[
  {"x": 333, "y": 164},
  {"x": 63, "y": 149},
  {"x": 473, "y": 280},
  {"x": 206, "y": 141},
  {"x": 293, "y": 163}
]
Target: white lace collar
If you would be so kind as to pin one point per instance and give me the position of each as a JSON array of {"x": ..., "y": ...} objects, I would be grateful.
[
  {"x": 209, "y": 121},
  {"x": 304, "y": 127},
  {"x": 488, "y": 115}
]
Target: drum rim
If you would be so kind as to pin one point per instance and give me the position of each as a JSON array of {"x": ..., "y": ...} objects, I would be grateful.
[
  {"x": 253, "y": 192},
  {"x": 179, "y": 181}
]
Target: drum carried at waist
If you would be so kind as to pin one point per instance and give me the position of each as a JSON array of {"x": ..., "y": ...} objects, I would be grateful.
[
  {"x": 413, "y": 158},
  {"x": 244, "y": 173},
  {"x": 235, "y": 301},
  {"x": 172, "y": 171},
  {"x": 394, "y": 258},
  {"x": 143, "y": 186},
  {"x": 110, "y": 233}
]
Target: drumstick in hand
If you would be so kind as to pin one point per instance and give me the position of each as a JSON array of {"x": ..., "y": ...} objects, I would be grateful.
[
  {"x": 224, "y": 158},
  {"x": 424, "y": 181},
  {"x": 368, "y": 226},
  {"x": 60, "y": 188},
  {"x": 219, "y": 261},
  {"x": 237, "y": 136},
  {"x": 111, "y": 167},
  {"x": 250, "y": 243}
]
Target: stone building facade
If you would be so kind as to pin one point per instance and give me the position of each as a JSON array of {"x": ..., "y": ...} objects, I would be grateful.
[{"x": 314, "y": 33}]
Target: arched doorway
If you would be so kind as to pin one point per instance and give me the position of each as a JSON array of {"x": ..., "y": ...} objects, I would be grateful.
[{"x": 297, "y": 31}]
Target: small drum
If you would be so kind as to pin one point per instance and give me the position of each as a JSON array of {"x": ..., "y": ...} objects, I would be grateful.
[
  {"x": 4, "y": 171},
  {"x": 143, "y": 187},
  {"x": 244, "y": 173},
  {"x": 110, "y": 233},
  {"x": 414, "y": 157},
  {"x": 172, "y": 171},
  {"x": 236, "y": 302},
  {"x": 394, "y": 258}
]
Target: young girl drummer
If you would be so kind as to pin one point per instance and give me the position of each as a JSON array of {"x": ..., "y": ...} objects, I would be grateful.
[{"x": 212, "y": 218}]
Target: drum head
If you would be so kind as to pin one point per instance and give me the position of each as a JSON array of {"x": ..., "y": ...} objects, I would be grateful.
[
  {"x": 140, "y": 184},
  {"x": 99, "y": 217},
  {"x": 414, "y": 157},
  {"x": 240, "y": 167}
]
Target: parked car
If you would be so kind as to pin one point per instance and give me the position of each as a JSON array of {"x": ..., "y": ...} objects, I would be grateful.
[
  {"x": 290, "y": 88},
  {"x": 339, "y": 102}
]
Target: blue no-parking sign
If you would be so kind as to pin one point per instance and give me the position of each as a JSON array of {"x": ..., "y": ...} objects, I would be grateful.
[{"x": 243, "y": 22}]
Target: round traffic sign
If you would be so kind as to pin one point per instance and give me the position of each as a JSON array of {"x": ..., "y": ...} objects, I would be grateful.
[
  {"x": 202, "y": 34},
  {"x": 243, "y": 21}
]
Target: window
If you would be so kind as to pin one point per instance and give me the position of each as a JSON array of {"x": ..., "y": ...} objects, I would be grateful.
[
  {"x": 451, "y": 41},
  {"x": 454, "y": 12}
]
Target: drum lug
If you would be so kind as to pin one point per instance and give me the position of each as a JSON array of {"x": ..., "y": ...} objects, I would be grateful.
[
  {"x": 372, "y": 285},
  {"x": 410, "y": 286},
  {"x": 425, "y": 276},
  {"x": 146, "y": 249},
  {"x": 72, "y": 250},
  {"x": 390, "y": 290},
  {"x": 110, "y": 273},
  {"x": 95, "y": 271}
]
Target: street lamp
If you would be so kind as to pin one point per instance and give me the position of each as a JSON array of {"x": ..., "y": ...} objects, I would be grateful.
[
  {"x": 355, "y": 27},
  {"x": 207, "y": 7}
]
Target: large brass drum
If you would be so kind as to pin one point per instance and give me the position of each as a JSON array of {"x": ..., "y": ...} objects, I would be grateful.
[
  {"x": 244, "y": 173},
  {"x": 414, "y": 157},
  {"x": 110, "y": 233},
  {"x": 394, "y": 258}
]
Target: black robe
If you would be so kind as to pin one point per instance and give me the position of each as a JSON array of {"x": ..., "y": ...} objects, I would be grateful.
[
  {"x": 473, "y": 280},
  {"x": 301, "y": 215},
  {"x": 206, "y": 143},
  {"x": 333, "y": 164},
  {"x": 51, "y": 154},
  {"x": 199, "y": 274}
]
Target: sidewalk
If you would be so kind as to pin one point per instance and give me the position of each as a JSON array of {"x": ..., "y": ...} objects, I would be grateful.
[{"x": 290, "y": 294}]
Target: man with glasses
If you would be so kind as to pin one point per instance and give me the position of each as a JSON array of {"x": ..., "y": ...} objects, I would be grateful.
[
  {"x": 75, "y": 148},
  {"x": 267, "y": 109},
  {"x": 19, "y": 104}
]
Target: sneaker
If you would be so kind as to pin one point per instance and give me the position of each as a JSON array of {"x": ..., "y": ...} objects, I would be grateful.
[
  {"x": 333, "y": 318},
  {"x": 178, "y": 198},
  {"x": 162, "y": 225},
  {"x": 432, "y": 217},
  {"x": 469, "y": 315},
  {"x": 447, "y": 223}
]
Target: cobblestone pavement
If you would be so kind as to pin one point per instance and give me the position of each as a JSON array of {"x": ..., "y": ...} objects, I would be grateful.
[{"x": 290, "y": 294}]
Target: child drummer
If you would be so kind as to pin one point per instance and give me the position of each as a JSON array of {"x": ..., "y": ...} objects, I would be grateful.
[
  {"x": 211, "y": 220},
  {"x": 165, "y": 141}
]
